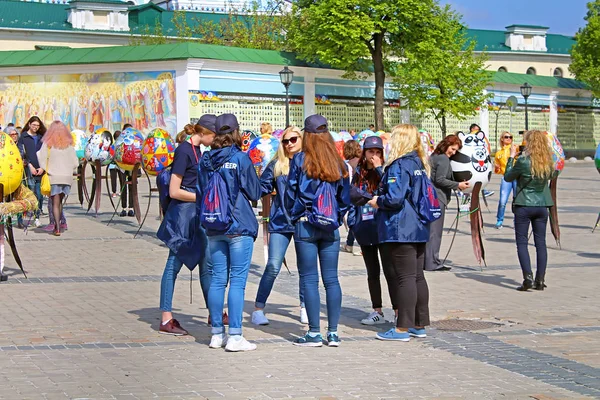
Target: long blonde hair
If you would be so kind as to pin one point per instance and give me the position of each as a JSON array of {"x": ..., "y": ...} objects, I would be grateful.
[
  {"x": 538, "y": 150},
  {"x": 282, "y": 161},
  {"x": 404, "y": 139}
]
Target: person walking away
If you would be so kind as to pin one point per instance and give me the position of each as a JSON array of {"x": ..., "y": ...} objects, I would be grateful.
[
  {"x": 361, "y": 219},
  {"x": 403, "y": 233},
  {"x": 29, "y": 144},
  {"x": 442, "y": 179},
  {"x": 281, "y": 230},
  {"x": 227, "y": 182},
  {"x": 318, "y": 197},
  {"x": 179, "y": 229},
  {"x": 59, "y": 160},
  {"x": 352, "y": 153},
  {"x": 506, "y": 188},
  {"x": 532, "y": 171}
]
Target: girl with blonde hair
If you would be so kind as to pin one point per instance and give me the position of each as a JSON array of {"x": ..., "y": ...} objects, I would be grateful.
[
  {"x": 281, "y": 229},
  {"x": 266, "y": 128},
  {"x": 500, "y": 159},
  {"x": 402, "y": 233},
  {"x": 532, "y": 171},
  {"x": 57, "y": 157}
]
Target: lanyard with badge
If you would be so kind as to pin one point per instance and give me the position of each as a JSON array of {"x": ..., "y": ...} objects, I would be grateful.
[
  {"x": 367, "y": 212},
  {"x": 194, "y": 150}
]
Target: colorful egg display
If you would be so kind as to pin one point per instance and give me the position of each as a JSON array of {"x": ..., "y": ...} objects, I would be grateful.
[
  {"x": 277, "y": 133},
  {"x": 472, "y": 163},
  {"x": 99, "y": 147},
  {"x": 247, "y": 138},
  {"x": 427, "y": 142},
  {"x": 346, "y": 136},
  {"x": 128, "y": 149},
  {"x": 597, "y": 158},
  {"x": 11, "y": 165},
  {"x": 339, "y": 142},
  {"x": 364, "y": 134},
  {"x": 157, "y": 151},
  {"x": 80, "y": 140},
  {"x": 558, "y": 154},
  {"x": 261, "y": 151}
]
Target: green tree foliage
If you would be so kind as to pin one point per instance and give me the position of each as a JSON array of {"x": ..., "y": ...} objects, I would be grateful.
[
  {"x": 441, "y": 74},
  {"x": 585, "y": 55},
  {"x": 359, "y": 36}
]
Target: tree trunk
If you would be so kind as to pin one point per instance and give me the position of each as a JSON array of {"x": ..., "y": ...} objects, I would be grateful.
[
  {"x": 377, "y": 55},
  {"x": 443, "y": 113}
]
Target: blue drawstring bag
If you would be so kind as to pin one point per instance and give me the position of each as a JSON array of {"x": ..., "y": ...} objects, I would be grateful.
[
  {"x": 427, "y": 205},
  {"x": 324, "y": 213},
  {"x": 214, "y": 210}
]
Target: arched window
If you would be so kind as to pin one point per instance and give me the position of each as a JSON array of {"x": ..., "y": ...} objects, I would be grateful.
[
  {"x": 502, "y": 69},
  {"x": 558, "y": 73},
  {"x": 531, "y": 71}
]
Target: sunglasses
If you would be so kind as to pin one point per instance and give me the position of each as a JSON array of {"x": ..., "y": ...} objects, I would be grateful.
[
  {"x": 507, "y": 137},
  {"x": 291, "y": 140}
]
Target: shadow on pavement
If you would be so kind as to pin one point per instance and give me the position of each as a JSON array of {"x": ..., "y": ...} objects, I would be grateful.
[{"x": 491, "y": 279}]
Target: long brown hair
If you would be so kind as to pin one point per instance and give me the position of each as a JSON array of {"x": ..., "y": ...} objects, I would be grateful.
[
  {"x": 370, "y": 176},
  {"x": 538, "y": 150},
  {"x": 322, "y": 159},
  {"x": 35, "y": 118},
  {"x": 58, "y": 136},
  {"x": 446, "y": 142},
  {"x": 227, "y": 139}
]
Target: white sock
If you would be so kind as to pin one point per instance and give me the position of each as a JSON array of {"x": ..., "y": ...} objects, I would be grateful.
[
  {"x": 167, "y": 321},
  {"x": 313, "y": 334}
]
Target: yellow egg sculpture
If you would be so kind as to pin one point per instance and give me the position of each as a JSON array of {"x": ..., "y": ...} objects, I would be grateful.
[{"x": 11, "y": 165}]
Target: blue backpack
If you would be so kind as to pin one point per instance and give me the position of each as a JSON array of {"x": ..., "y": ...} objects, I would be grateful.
[
  {"x": 214, "y": 210},
  {"x": 427, "y": 205},
  {"x": 163, "y": 179},
  {"x": 324, "y": 213}
]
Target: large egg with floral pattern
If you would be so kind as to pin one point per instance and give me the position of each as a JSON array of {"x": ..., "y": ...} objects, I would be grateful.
[
  {"x": 80, "y": 140},
  {"x": 157, "y": 151},
  {"x": 558, "y": 154},
  {"x": 128, "y": 148},
  {"x": 11, "y": 164},
  {"x": 261, "y": 151},
  {"x": 99, "y": 147}
]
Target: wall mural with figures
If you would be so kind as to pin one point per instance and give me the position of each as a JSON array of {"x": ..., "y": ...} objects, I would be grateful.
[{"x": 89, "y": 102}]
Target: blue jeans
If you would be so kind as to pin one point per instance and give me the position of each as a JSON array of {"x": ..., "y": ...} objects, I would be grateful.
[
  {"x": 172, "y": 268},
  {"x": 505, "y": 189},
  {"x": 278, "y": 244},
  {"x": 35, "y": 185},
  {"x": 312, "y": 245},
  {"x": 538, "y": 216},
  {"x": 231, "y": 256}
]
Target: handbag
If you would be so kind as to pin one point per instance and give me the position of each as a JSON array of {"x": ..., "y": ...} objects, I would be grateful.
[
  {"x": 512, "y": 206},
  {"x": 45, "y": 187}
]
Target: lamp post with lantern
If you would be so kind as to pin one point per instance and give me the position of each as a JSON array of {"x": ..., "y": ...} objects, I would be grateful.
[
  {"x": 526, "y": 92},
  {"x": 287, "y": 77}
]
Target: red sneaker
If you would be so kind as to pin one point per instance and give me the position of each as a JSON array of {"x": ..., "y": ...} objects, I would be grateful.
[{"x": 172, "y": 328}]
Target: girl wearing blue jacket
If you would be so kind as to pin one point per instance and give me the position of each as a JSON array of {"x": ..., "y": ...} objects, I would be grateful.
[
  {"x": 318, "y": 164},
  {"x": 361, "y": 219},
  {"x": 231, "y": 248},
  {"x": 402, "y": 233},
  {"x": 281, "y": 230}
]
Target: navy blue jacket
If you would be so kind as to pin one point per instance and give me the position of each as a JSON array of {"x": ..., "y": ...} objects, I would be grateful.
[
  {"x": 397, "y": 220},
  {"x": 279, "y": 219},
  {"x": 243, "y": 186},
  {"x": 27, "y": 147},
  {"x": 300, "y": 191},
  {"x": 365, "y": 230}
]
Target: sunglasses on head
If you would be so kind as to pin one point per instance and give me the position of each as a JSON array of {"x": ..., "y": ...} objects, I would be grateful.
[
  {"x": 291, "y": 140},
  {"x": 507, "y": 137}
]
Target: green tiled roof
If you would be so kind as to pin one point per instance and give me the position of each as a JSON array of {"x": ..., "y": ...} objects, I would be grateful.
[
  {"x": 527, "y": 26},
  {"x": 101, "y": 1},
  {"x": 539, "y": 81},
  {"x": 492, "y": 41}
]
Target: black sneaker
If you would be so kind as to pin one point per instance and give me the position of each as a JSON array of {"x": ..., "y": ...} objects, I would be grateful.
[
  {"x": 123, "y": 213},
  {"x": 131, "y": 213},
  {"x": 309, "y": 341}
]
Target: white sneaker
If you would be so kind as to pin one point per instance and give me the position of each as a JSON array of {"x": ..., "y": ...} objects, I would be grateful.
[
  {"x": 217, "y": 341},
  {"x": 374, "y": 318},
  {"x": 239, "y": 343},
  {"x": 357, "y": 251},
  {"x": 37, "y": 223},
  {"x": 303, "y": 315},
  {"x": 258, "y": 318}
]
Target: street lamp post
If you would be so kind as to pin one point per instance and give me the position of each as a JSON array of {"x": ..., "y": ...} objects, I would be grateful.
[
  {"x": 287, "y": 76},
  {"x": 526, "y": 92}
]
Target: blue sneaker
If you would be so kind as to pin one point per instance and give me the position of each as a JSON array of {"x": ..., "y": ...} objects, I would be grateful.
[
  {"x": 414, "y": 332},
  {"x": 393, "y": 335},
  {"x": 333, "y": 340},
  {"x": 309, "y": 341}
]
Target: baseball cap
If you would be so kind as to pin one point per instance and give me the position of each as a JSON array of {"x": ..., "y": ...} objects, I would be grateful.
[
  {"x": 315, "y": 124},
  {"x": 208, "y": 121},
  {"x": 226, "y": 123},
  {"x": 373, "y": 142}
]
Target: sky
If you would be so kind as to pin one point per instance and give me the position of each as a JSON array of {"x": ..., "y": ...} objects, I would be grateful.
[{"x": 563, "y": 17}]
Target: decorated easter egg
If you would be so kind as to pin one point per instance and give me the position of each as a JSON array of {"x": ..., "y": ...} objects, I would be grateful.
[
  {"x": 472, "y": 163},
  {"x": 427, "y": 142},
  {"x": 80, "y": 140},
  {"x": 99, "y": 147},
  {"x": 247, "y": 138},
  {"x": 346, "y": 136},
  {"x": 339, "y": 142},
  {"x": 364, "y": 134},
  {"x": 128, "y": 148},
  {"x": 558, "y": 154},
  {"x": 261, "y": 151},
  {"x": 277, "y": 133},
  {"x": 157, "y": 151},
  {"x": 597, "y": 158},
  {"x": 11, "y": 164}
]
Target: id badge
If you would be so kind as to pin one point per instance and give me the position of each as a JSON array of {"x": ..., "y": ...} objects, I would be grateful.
[{"x": 367, "y": 212}]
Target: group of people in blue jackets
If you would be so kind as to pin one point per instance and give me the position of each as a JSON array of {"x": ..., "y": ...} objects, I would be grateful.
[{"x": 209, "y": 223}]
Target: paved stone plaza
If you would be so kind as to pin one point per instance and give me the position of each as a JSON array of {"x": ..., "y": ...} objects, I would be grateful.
[{"x": 84, "y": 325}]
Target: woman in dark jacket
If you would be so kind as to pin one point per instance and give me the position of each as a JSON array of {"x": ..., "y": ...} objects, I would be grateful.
[
  {"x": 403, "y": 234},
  {"x": 361, "y": 220},
  {"x": 29, "y": 144},
  {"x": 441, "y": 176},
  {"x": 281, "y": 230},
  {"x": 532, "y": 170}
]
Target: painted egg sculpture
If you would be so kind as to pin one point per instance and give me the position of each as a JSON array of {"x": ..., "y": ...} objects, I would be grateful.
[
  {"x": 247, "y": 138},
  {"x": 157, "y": 151},
  {"x": 277, "y": 133},
  {"x": 427, "y": 142},
  {"x": 558, "y": 154},
  {"x": 597, "y": 158},
  {"x": 346, "y": 136},
  {"x": 99, "y": 147},
  {"x": 80, "y": 140},
  {"x": 11, "y": 165},
  {"x": 261, "y": 151},
  {"x": 128, "y": 149},
  {"x": 339, "y": 142},
  {"x": 472, "y": 163}
]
